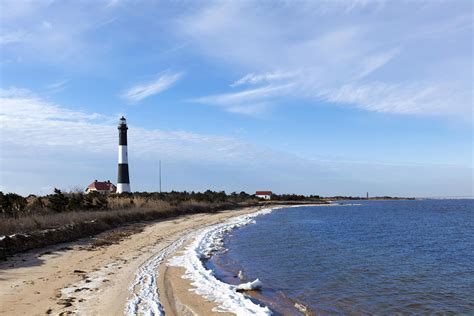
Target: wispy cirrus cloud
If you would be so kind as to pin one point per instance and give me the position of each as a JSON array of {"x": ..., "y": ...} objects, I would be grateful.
[
  {"x": 57, "y": 86},
  {"x": 12, "y": 37},
  {"x": 253, "y": 78},
  {"x": 420, "y": 98},
  {"x": 250, "y": 101},
  {"x": 374, "y": 62},
  {"x": 143, "y": 90},
  {"x": 54, "y": 32},
  {"x": 112, "y": 4},
  {"x": 388, "y": 63}
]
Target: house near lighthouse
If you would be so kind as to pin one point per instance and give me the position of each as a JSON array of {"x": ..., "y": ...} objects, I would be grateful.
[
  {"x": 266, "y": 195},
  {"x": 102, "y": 187}
]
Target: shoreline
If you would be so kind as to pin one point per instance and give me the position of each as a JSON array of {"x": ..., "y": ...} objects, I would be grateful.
[
  {"x": 203, "y": 293},
  {"x": 75, "y": 277},
  {"x": 187, "y": 287}
]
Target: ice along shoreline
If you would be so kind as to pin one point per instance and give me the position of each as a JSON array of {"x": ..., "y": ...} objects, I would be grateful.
[
  {"x": 146, "y": 292},
  {"x": 203, "y": 281}
]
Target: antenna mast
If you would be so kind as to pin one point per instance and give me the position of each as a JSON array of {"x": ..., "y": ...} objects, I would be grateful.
[{"x": 160, "y": 176}]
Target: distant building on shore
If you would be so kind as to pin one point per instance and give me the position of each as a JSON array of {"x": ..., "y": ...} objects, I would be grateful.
[
  {"x": 101, "y": 187},
  {"x": 266, "y": 195}
]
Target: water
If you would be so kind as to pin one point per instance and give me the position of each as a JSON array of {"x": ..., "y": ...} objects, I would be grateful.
[{"x": 376, "y": 257}]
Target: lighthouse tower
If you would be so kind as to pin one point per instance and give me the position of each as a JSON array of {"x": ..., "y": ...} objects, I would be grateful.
[{"x": 123, "y": 180}]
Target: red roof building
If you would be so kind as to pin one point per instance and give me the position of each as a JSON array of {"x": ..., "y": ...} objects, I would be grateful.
[
  {"x": 264, "y": 194},
  {"x": 101, "y": 187}
]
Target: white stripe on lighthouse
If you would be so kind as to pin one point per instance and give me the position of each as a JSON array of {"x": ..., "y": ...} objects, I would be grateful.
[
  {"x": 122, "y": 154},
  {"x": 123, "y": 187}
]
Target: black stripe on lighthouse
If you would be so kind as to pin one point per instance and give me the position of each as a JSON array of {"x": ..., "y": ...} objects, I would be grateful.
[
  {"x": 123, "y": 135},
  {"x": 123, "y": 173}
]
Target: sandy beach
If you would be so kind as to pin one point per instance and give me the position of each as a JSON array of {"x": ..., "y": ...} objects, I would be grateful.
[{"x": 100, "y": 280}]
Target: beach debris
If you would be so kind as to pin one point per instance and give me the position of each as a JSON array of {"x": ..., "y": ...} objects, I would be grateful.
[
  {"x": 66, "y": 302},
  {"x": 249, "y": 286},
  {"x": 301, "y": 308}
]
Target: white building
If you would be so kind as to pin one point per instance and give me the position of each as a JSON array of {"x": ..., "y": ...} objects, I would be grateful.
[
  {"x": 266, "y": 195},
  {"x": 101, "y": 187}
]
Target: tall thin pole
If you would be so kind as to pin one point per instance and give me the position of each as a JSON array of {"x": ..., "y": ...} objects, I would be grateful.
[{"x": 160, "y": 176}]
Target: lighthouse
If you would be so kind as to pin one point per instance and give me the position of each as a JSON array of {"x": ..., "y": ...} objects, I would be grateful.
[{"x": 123, "y": 180}]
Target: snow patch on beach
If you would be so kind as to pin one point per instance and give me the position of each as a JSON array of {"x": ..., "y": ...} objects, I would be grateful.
[
  {"x": 12, "y": 236},
  {"x": 207, "y": 241},
  {"x": 145, "y": 296}
]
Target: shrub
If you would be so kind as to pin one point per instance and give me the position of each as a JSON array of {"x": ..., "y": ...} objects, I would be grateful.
[
  {"x": 12, "y": 205},
  {"x": 58, "y": 201},
  {"x": 75, "y": 202}
]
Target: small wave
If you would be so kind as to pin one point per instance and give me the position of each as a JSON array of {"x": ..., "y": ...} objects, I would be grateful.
[
  {"x": 343, "y": 204},
  {"x": 208, "y": 241}
]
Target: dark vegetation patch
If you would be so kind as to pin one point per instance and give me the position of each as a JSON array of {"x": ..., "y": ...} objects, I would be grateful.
[{"x": 114, "y": 236}]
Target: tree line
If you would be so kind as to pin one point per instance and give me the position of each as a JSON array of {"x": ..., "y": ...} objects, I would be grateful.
[{"x": 14, "y": 205}]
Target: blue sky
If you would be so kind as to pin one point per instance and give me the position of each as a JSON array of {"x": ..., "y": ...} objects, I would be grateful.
[{"x": 312, "y": 97}]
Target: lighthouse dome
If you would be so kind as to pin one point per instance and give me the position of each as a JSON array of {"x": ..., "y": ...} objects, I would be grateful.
[{"x": 122, "y": 123}]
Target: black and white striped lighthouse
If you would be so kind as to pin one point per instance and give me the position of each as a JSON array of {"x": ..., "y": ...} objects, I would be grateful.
[{"x": 123, "y": 180}]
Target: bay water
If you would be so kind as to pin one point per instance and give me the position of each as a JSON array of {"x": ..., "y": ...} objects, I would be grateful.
[{"x": 357, "y": 257}]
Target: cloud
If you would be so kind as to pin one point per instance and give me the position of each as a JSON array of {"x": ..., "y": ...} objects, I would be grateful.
[
  {"x": 250, "y": 101},
  {"x": 112, "y": 4},
  {"x": 377, "y": 61},
  {"x": 46, "y": 25},
  {"x": 12, "y": 9},
  {"x": 35, "y": 123},
  {"x": 57, "y": 86},
  {"x": 320, "y": 52},
  {"x": 370, "y": 52},
  {"x": 19, "y": 106},
  {"x": 53, "y": 33},
  {"x": 424, "y": 98},
  {"x": 253, "y": 78},
  {"x": 49, "y": 145},
  {"x": 144, "y": 90},
  {"x": 11, "y": 38},
  {"x": 14, "y": 92}
]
